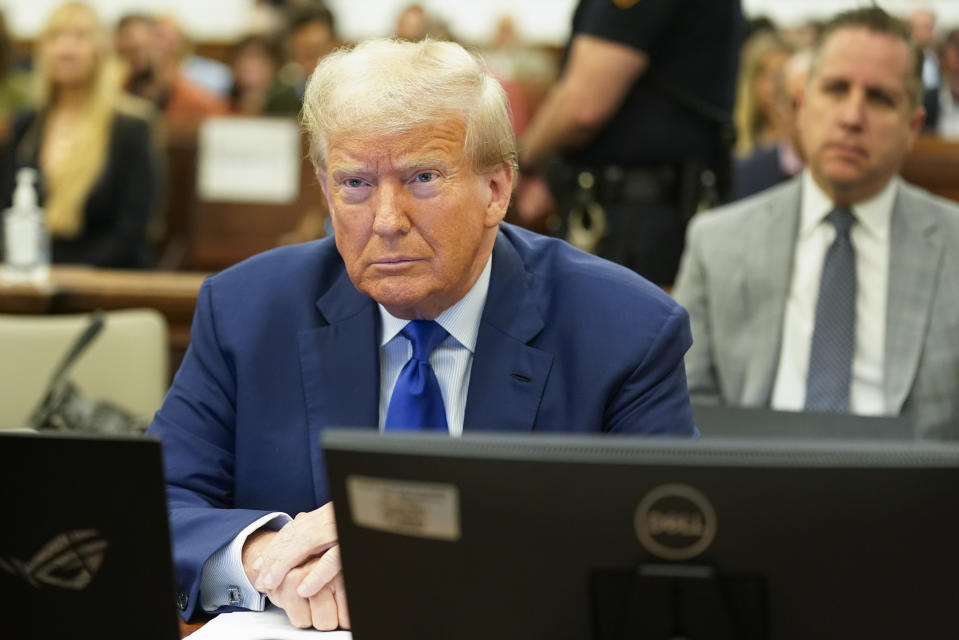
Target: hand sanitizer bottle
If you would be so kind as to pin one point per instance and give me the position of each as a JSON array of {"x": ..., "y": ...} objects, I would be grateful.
[{"x": 26, "y": 257}]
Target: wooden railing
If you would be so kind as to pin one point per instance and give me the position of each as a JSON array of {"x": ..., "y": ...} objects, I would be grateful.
[
  {"x": 934, "y": 165},
  {"x": 209, "y": 236}
]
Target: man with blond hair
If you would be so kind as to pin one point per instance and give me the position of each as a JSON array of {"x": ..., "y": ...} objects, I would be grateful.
[{"x": 423, "y": 312}]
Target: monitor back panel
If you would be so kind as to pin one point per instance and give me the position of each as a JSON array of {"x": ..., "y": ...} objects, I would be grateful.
[
  {"x": 85, "y": 545},
  {"x": 842, "y": 552}
]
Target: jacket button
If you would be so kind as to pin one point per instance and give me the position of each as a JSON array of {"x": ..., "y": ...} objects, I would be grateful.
[{"x": 182, "y": 600}]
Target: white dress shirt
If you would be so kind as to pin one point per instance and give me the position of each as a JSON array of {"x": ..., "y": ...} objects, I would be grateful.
[
  {"x": 451, "y": 360},
  {"x": 223, "y": 581},
  {"x": 870, "y": 238}
]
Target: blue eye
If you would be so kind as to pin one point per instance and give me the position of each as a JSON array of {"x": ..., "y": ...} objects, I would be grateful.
[
  {"x": 353, "y": 182},
  {"x": 426, "y": 176}
]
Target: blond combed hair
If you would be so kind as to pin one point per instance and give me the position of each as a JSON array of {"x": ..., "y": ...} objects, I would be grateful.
[
  {"x": 382, "y": 87},
  {"x": 748, "y": 115},
  {"x": 70, "y": 181}
]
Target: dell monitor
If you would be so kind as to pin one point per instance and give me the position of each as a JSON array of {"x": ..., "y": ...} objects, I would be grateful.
[{"x": 611, "y": 537}]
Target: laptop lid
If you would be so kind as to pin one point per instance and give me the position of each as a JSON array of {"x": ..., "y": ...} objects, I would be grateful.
[{"x": 85, "y": 545}]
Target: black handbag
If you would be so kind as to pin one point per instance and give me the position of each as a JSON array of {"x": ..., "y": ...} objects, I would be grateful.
[{"x": 64, "y": 408}]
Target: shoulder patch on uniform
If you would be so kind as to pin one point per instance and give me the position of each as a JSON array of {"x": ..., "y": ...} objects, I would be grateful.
[{"x": 625, "y": 4}]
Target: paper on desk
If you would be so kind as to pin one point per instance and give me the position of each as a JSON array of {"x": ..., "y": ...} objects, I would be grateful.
[{"x": 260, "y": 625}]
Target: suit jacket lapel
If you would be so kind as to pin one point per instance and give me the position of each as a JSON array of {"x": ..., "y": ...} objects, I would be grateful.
[
  {"x": 339, "y": 362},
  {"x": 769, "y": 248},
  {"x": 914, "y": 257},
  {"x": 508, "y": 376}
]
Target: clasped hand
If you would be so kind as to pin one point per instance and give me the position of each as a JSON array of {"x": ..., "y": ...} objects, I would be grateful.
[{"x": 298, "y": 568}]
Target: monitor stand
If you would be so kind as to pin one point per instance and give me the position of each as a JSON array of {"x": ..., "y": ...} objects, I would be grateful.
[{"x": 677, "y": 602}]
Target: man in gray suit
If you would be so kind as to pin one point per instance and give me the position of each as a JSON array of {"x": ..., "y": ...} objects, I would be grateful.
[{"x": 836, "y": 291}]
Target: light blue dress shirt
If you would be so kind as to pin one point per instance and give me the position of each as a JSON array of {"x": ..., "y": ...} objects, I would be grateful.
[
  {"x": 223, "y": 581},
  {"x": 451, "y": 360}
]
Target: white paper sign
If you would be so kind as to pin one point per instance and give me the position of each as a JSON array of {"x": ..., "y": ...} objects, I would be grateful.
[
  {"x": 421, "y": 509},
  {"x": 249, "y": 160}
]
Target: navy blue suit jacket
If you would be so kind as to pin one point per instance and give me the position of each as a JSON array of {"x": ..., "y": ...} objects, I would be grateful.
[
  {"x": 930, "y": 102},
  {"x": 284, "y": 346},
  {"x": 757, "y": 172}
]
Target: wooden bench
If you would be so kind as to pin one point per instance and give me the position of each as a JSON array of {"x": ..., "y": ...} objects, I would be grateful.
[
  {"x": 209, "y": 236},
  {"x": 934, "y": 166}
]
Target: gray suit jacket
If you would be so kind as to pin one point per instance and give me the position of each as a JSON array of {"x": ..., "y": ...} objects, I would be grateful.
[{"x": 735, "y": 275}]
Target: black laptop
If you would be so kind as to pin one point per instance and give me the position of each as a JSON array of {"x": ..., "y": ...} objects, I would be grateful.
[{"x": 84, "y": 544}]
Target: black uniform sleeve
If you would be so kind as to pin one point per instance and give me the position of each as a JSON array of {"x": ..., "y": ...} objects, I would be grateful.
[{"x": 638, "y": 24}]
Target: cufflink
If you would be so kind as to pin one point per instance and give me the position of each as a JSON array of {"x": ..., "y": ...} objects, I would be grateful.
[{"x": 233, "y": 592}]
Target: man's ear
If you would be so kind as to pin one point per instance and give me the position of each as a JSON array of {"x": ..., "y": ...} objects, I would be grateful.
[
  {"x": 500, "y": 184},
  {"x": 916, "y": 121}
]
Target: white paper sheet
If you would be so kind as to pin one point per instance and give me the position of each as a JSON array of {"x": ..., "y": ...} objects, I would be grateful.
[
  {"x": 249, "y": 160},
  {"x": 260, "y": 625}
]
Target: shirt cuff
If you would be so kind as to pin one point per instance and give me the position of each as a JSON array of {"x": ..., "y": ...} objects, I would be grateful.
[{"x": 223, "y": 582}]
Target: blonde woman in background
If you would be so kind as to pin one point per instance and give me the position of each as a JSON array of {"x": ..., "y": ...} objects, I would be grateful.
[
  {"x": 755, "y": 115},
  {"x": 92, "y": 147},
  {"x": 13, "y": 82}
]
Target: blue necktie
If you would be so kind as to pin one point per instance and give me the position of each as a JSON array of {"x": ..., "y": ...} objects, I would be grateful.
[
  {"x": 834, "y": 335},
  {"x": 417, "y": 403}
]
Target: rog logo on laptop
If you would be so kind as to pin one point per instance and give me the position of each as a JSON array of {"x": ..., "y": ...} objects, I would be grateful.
[{"x": 69, "y": 561}]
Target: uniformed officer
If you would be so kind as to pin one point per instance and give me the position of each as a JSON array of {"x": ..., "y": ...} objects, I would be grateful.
[{"x": 640, "y": 118}]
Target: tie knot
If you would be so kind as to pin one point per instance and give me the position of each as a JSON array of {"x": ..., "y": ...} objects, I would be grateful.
[
  {"x": 425, "y": 335},
  {"x": 841, "y": 219}
]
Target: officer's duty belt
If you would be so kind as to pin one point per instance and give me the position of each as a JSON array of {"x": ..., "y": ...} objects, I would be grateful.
[{"x": 613, "y": 184}]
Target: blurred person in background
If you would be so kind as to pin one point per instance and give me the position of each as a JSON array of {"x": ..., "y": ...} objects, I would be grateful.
[
  {"x": 755, "y": 115},
  {"x": 807, "y": 35},
  {"x": 256, "y": 60},
  {"x": 510, "y": 56},
  {"x": 14, "y": 84},
  {"x": 311, "y": 36},
  {"x": 758, "y": 24},
  {"x": 135, "y": 43},
  {"x": 942, "y": 102},
  {"x": 211, "y": 75},
  {"x": 266, "y": 18},
  {"x": 638, "y": 128},
  {"x": 923, "y": 24},
  {"x": 414, "y": 24},
  {"x": 152, "y": 49},
  {"x": 92, "y": 147},
  {"x": 769, "y": 165},
  {"x": 526, "y": 71},
  {"x": 835, "y": 291}
]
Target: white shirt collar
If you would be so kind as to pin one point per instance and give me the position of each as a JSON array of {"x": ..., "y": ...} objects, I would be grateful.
[
  {"x": 461, "y": 321},
  {"x": 874, "y": 214}
]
